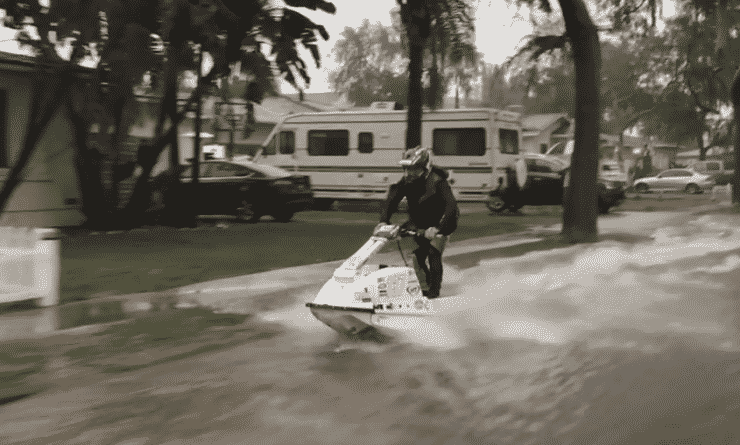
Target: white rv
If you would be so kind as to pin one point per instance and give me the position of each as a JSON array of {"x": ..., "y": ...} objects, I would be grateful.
[{"x": 355, "y": 154}]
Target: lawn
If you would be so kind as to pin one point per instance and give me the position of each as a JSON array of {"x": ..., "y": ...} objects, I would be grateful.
[
  {"x": 665, "y": 202},
  {"x": 162, "y": 258}
]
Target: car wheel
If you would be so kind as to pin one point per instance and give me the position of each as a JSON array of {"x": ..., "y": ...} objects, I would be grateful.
[
  {"x": 692, "y": 189},
  {"x": 283, "y": 215},
  {"x": 603, "y": 209},
  {"x": 246, "y": 213},
  {"x": 495, "y": 204},
  {"x": 641, "y": 188}
]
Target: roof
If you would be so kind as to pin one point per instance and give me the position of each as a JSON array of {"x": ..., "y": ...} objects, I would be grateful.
[
  {"x": 326, "y": 99},
  {"x": 323, "y": 101},
  {"x": 712, "y": 151},
  {"x": 17, "y": 58},
  {"x": 271, "y": 110},
  {"x": 539, "y": 122},
  {"x": 25, "y": 61}
]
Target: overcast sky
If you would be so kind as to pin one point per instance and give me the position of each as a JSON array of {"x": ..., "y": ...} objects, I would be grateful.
[{"x": 499, "y": 31}]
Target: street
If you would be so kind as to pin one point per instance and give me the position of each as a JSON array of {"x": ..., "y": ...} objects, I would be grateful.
[{"x": 570, "y": 344}]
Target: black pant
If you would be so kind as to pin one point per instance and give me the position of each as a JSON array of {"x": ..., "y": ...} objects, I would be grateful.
[{"x": 430, "y": 275}]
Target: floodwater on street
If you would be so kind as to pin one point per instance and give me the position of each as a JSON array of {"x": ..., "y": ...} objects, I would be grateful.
[{"x": 606, "y": 343}]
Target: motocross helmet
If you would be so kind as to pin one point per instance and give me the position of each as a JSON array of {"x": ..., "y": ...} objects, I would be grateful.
[{"x": 416, "y": 162}]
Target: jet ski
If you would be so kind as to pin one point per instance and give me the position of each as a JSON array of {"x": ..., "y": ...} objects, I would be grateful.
[{"x": 360, "y": 298}]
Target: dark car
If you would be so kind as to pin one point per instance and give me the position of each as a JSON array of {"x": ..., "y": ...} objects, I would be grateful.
[
  {"x": 246, "y": 190},
  {"x": 546, "y": 177}
]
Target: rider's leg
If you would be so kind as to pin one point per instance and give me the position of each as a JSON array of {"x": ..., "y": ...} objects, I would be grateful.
[
  {"x": 434, "y": 277},
  {"x": 420, "y": 263}
]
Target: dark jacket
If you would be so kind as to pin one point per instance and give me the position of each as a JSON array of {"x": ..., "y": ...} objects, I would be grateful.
[{"x": 431, "y": 202}]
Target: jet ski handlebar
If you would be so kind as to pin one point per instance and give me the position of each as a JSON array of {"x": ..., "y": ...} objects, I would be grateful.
[{"x": 394, "y": 231}]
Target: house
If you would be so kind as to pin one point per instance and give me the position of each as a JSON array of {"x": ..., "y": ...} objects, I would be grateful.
[
  {"x": 215, "y": 128},
  {"x": 541, "y": 131},
  {"x": 663, "y": 155},
  {"x": 725, "y": 154},
  {"x": 48, "y": 194}
]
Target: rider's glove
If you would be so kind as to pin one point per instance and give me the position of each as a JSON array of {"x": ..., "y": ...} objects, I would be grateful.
[
  {"x": 431, "y": 232},
  {"x": 378, "y": 227}
]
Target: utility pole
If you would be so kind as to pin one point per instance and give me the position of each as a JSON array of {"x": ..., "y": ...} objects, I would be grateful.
[{"x": 196, "y": 145}]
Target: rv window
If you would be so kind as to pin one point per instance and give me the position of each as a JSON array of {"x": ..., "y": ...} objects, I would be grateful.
[
  {"x": 509, "y": 141},
  {"x": 269, "y": 149},
  {"x": 365, "y": 142},
  {"x": 328, "y": 142},
  {"x": 287, "y": 142},
  {"x": 459, "y": 142}
]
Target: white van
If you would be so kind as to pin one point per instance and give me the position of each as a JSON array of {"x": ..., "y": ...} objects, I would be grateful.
[
  {"x": 609, "y": 169},
  {"x": 355, "y": 154}
]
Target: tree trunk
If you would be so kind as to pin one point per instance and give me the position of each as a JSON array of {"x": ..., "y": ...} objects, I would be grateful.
[
  {"x": 415, "y": 99},
  {"x": 580, "y": 210},
  {"x": 415, "y": 18},
  {"x": 149, "y": 154},
  {"x": 457, "y": 94},
  {"x": 700, "y": 137},
  {"x": 735, "y": 96},
  {"x": 197, "y": 151},
  {"x": 173, "y": 205},
  {"x": 89, "y": 166}
]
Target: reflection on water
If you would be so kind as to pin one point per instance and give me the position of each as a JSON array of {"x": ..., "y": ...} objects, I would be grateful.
[{"x": 603, "y": 343}]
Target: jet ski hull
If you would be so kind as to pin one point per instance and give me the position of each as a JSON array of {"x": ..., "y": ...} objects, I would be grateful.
[{"x": 351, "y": 322}]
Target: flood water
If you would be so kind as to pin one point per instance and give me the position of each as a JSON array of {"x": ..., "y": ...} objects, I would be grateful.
[{"x": 608, "y": 343}]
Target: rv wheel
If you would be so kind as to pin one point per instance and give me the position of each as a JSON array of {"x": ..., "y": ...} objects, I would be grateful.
[
  {"x": 323, "y": 204},
  {"x": 283, "y": 215},
  {"x": 496, "y": 204}
]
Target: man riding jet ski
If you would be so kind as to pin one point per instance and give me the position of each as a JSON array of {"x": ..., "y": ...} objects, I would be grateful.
[
  {"x": 363, "y": 300},
  {"x": 432, "y": 209}
]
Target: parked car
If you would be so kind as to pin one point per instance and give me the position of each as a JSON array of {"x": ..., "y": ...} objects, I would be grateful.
[
  {"x": 676, "y": 179},
  {"x": 714, "y": 168},
  {"x": 546, "y": 178},
  {"x": 246, "y": 190}
]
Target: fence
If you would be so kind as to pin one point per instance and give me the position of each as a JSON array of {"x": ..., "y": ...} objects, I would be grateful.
[{"x": 29, "y": 265}]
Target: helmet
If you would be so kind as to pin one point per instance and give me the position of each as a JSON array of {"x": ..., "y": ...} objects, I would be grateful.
[{"x": 417, "y": 157}]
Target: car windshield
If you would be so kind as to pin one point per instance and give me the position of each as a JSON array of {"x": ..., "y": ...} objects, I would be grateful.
[{"x": 268, "y": 170}]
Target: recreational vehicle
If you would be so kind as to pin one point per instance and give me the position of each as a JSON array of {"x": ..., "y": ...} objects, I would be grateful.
[{"x": 355, "y": 154}]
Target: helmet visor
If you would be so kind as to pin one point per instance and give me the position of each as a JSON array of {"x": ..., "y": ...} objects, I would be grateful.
[{"x": 413, "y": 172}]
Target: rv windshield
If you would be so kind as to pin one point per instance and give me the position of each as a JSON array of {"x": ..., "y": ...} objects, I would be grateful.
[
  {"x": 270, "y": 147},
  {"x": 561, "y": 148}
]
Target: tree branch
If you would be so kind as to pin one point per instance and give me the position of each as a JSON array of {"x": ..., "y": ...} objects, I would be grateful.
[
  {"x": 694, "y": 95},
  {"x": 232, "y": 18}
]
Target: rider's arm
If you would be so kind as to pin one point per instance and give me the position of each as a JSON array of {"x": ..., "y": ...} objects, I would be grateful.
[
  {"x": 448, "y": 223},
  {"x": 395, "y": 195}
]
